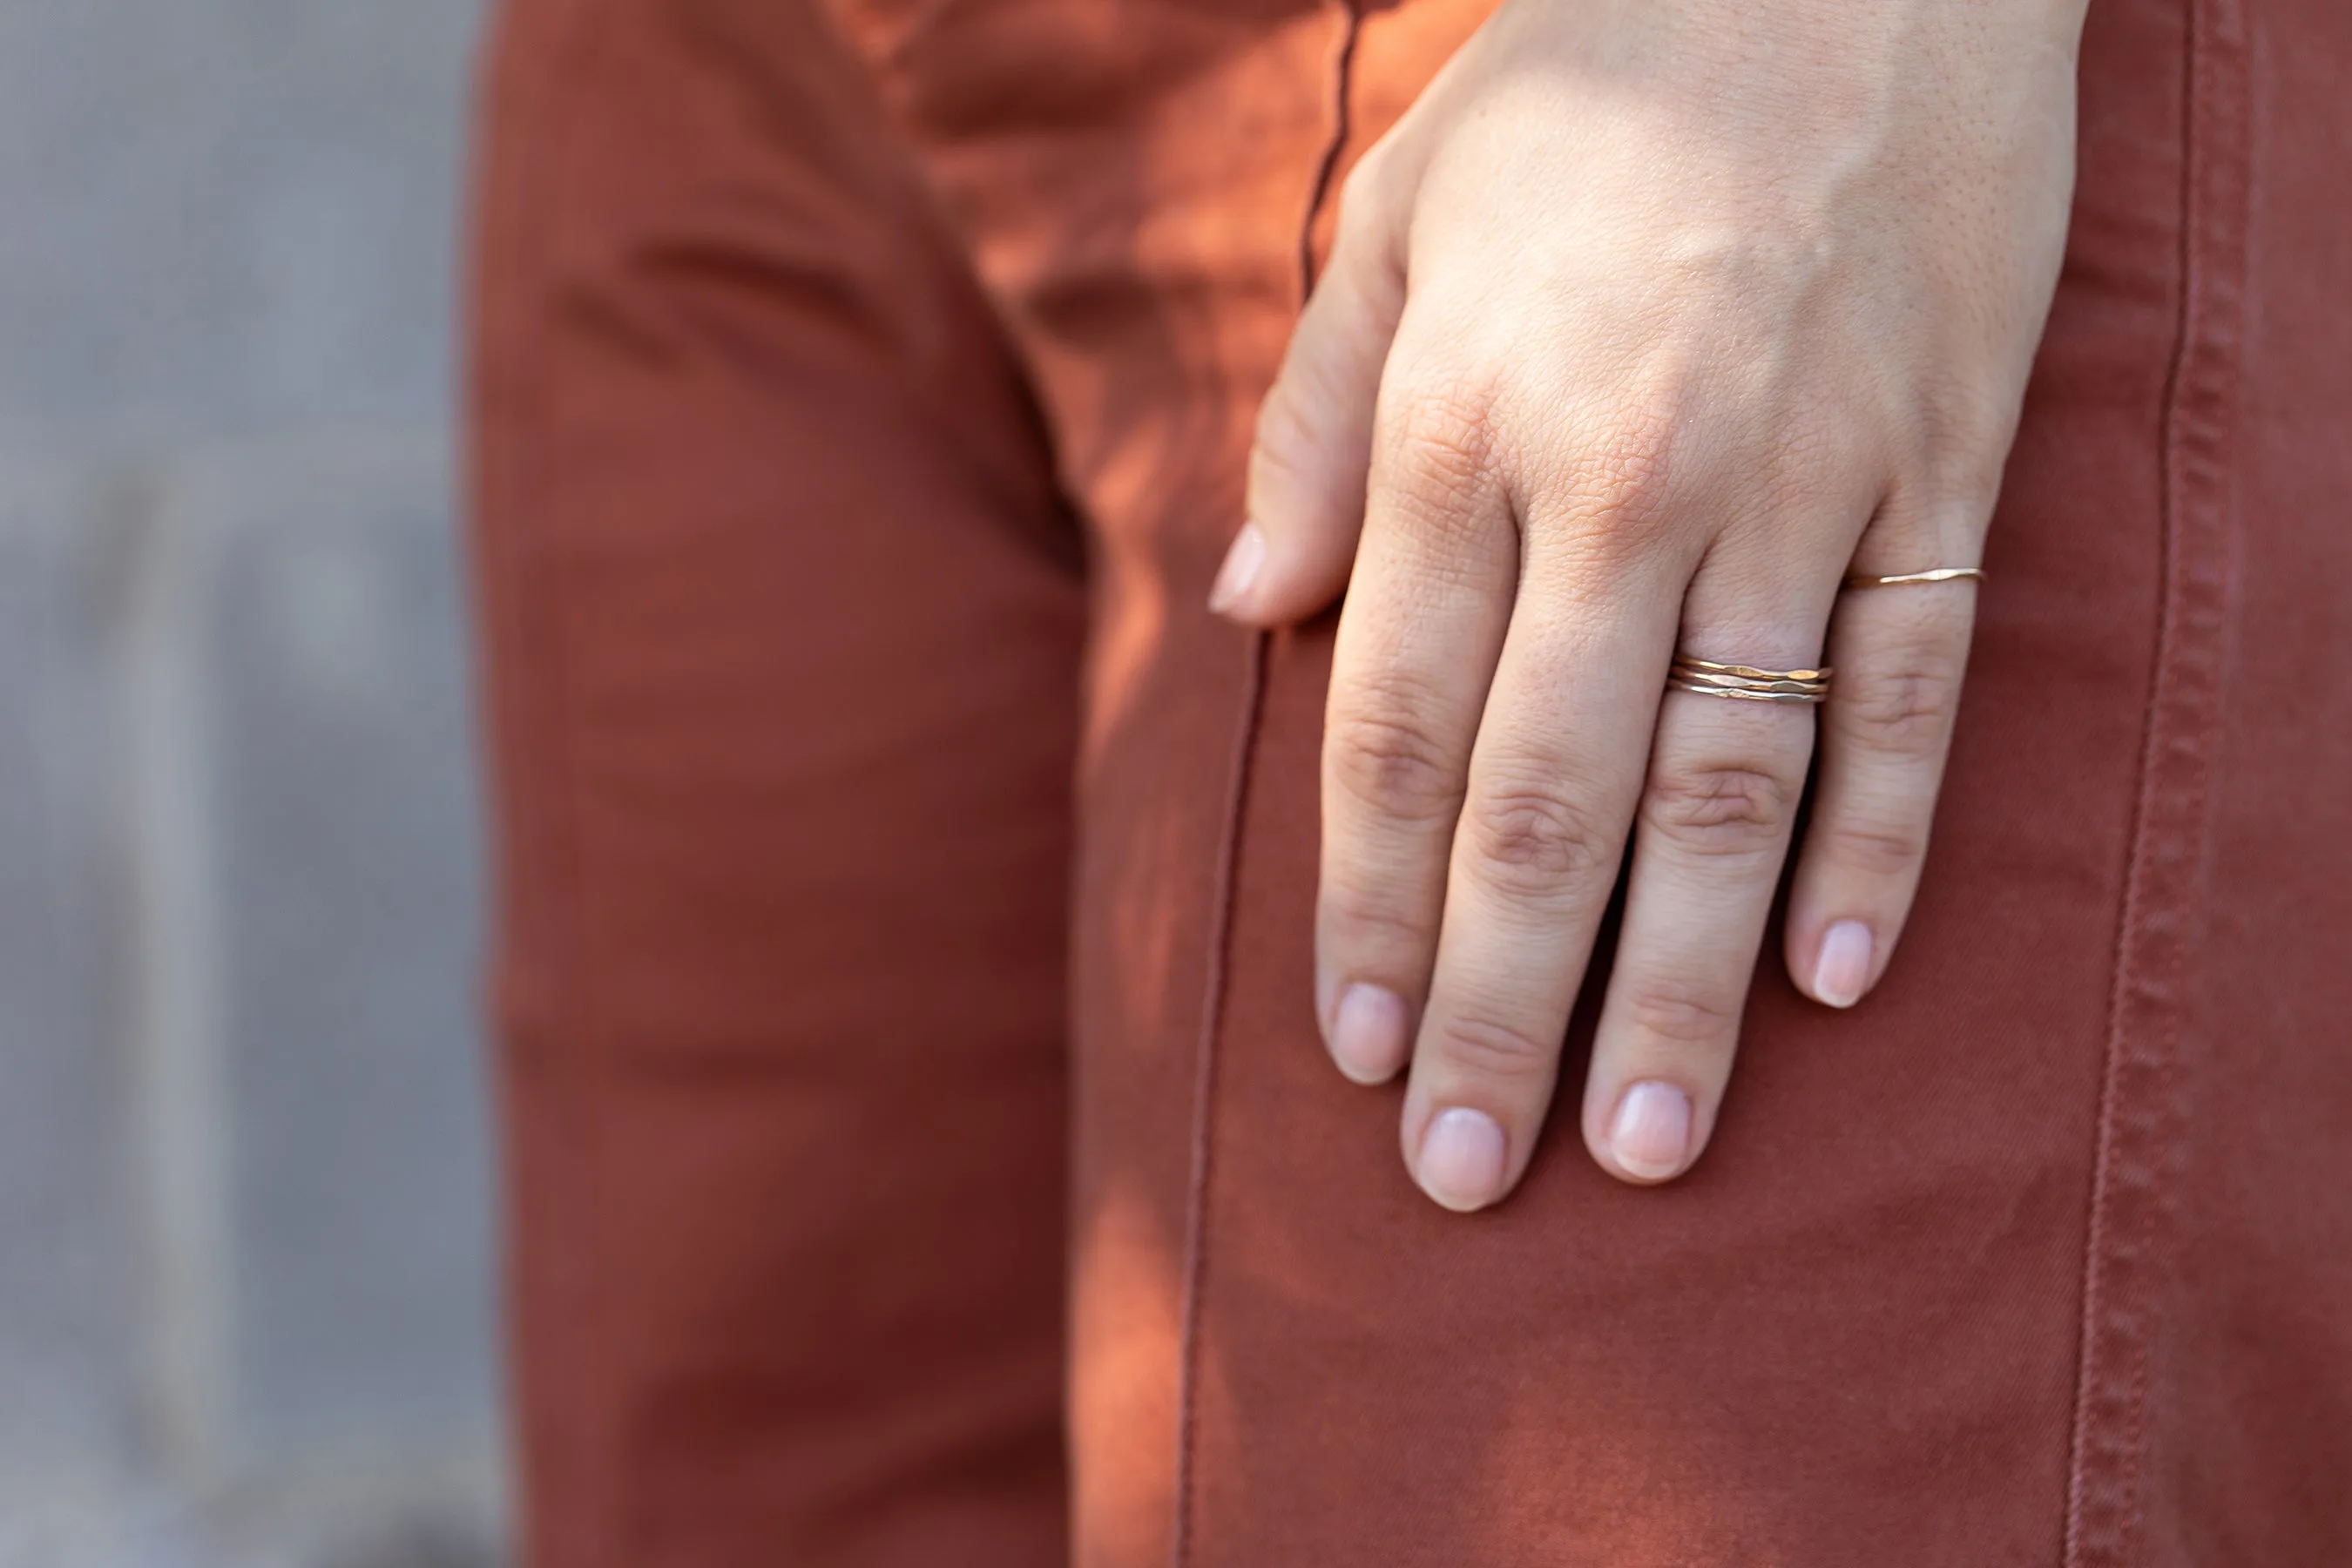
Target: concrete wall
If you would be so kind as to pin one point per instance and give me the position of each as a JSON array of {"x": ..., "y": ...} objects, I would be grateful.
[{"x": 246, "y": 1291}]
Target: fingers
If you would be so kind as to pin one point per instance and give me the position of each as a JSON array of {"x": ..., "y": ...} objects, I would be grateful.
[
  {"x": 1552, "y": 783},
  {"x": 1307, "y": 467},
  {"x": 1710, "y": 837},
  {"x": 1495, "y": 725},
  {"x": 1899, "y": 655}
]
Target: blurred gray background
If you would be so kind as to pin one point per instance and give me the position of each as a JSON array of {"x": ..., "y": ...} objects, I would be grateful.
[{"x": 246, "y": 1292}]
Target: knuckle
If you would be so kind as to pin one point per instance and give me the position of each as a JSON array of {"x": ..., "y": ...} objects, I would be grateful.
[
  {"x": 1440, "y": 445},
  {"x": 1368, "y": 913},
  {"x": 1683, "y": 1016},
  {"x": 1627, "y": 470},
  {"x": 1962, "y": 425},
  {"x": 1616, "y": 489},
  {"x": 1905, "y": 707},
  {"x": 1391, "y": 761},
  {"x": 1876, "y": 850},
  {"x": 1534, "y": 837},
  {"x": 1495, "y": 1049},
  {"x": 1719, "y": 810},
  {"x": 1282, "y": 440}
]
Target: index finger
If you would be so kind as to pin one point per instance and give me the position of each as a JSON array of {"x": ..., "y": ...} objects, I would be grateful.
[{"x": 1418, "y": 640}]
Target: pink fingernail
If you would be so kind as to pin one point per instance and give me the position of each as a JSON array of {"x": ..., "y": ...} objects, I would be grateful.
[
  {"x": 1650, "y": 1136},
  {"x": 1461, "y": 1159},
  {"x": 1239, "y": 572},
  {"x": 1843, "y": 973},
  {"x": 1370, "y": 1034}
]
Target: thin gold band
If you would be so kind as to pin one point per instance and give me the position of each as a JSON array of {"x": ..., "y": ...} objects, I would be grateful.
[
  {"x": 1904, "y": 579},
  {"x": 1746, "y": 683},
  {"x": 1746, "y": 696},
  {"x": 1749, "y": 672}
]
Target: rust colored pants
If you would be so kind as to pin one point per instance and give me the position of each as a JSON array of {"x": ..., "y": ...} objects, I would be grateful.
[{"x": 921, "y": 1149}]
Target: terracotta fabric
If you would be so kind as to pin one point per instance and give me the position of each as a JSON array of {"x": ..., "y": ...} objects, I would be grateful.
[{"x": 920, "y": 1148}]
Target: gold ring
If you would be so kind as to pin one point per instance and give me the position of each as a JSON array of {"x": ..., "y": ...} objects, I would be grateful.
[
  {"x": 1745, "y": 682},
  {"x": 1904, "y": 579},
  {"x": 1749, "y": 672},
  {"x": 1751, "y": 696}
]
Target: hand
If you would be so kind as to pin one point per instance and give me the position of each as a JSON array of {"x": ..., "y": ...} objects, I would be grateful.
[{"x": 1643, "y": 327}]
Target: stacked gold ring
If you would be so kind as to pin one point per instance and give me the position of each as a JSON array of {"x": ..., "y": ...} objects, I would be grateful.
[
  {"x": 1745, "y": 683},
  {"x": 1911, "y": 579}
]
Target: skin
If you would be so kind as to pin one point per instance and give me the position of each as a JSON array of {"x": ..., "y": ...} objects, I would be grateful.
[{"x": 1647, "y": 325}]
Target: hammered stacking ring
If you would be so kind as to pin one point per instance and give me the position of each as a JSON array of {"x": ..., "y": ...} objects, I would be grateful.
[
  {"x": 1904, "y": 579},
  {"x": 1745, "y": 683}
]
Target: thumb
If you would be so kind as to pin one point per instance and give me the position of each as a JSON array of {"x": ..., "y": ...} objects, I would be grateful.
[{"x": 1314, "y": 445}]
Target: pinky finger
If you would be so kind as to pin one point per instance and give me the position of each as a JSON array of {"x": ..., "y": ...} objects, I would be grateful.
[{"x": 1898, "y": 655}]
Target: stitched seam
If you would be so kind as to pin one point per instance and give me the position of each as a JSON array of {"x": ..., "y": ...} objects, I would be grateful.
[
  {"x": 1204, "y": 1085},
  {"x": 522, "y": 254},
  {"x": 2139, "y": 1122},
  {"x": 2094, "y": 1333},
  {"x": 1219, "y": 953}
]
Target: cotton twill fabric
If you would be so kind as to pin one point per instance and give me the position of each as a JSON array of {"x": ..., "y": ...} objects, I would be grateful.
[{"x": 920, "y": 1151}]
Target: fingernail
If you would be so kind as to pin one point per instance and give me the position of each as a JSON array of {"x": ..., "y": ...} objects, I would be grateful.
[
  {"x": 1369, "y": 1034},
  {"x": 1843, "y": 973},
  {"x": 1650, "y": 1136},
  {"x": 1240, "y": 570},
  {"x": 1461, "y": 1159}
]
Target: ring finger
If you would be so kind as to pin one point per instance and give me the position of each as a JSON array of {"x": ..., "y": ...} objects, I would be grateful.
[{"x": 1710, "y": 836}]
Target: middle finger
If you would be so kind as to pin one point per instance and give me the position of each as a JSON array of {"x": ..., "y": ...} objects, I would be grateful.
[{"x": 1557, "y": 766}]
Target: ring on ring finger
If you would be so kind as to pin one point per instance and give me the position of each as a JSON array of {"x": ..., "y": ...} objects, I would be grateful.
[{"x": 1748, "y": 683}]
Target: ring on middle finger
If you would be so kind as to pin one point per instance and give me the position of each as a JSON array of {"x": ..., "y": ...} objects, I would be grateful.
[{"x": 1748, "y": 683}]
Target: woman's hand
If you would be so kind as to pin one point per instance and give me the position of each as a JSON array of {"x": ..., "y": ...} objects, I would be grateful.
[{"x": 1648, "y": 324}]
